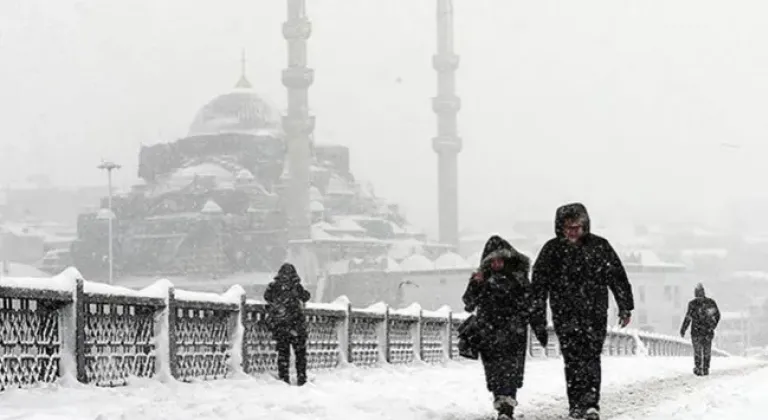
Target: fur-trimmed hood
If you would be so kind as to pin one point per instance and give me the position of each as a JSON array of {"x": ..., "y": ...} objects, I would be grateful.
[
  {"x": 570, "y": 211},
  {"x": 497, "y": 247}
]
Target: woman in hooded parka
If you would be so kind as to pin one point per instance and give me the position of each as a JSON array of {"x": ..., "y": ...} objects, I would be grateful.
[{"x": 499, "y": 292}]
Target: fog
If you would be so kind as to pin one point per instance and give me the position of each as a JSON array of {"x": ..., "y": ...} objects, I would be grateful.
[{"x": 646, "y": 111}]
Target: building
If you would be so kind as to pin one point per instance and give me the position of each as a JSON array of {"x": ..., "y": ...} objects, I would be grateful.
[
  {"x": 732, "y": 333},
  {"x": 661, "y": 291}
]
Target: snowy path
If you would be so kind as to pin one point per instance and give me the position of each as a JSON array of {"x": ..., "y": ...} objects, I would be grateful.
[
  {"x": 742, "y": 397},
  {"x": 454, "y": 392}
]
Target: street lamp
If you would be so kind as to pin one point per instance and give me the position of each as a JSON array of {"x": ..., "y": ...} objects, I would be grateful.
[{"x": 109, "y": 214}]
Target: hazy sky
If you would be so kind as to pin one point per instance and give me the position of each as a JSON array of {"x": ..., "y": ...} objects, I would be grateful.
[{"x": 621, "y": 104}]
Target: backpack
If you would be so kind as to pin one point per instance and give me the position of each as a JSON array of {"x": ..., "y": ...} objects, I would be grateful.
[{"x": 706, "y": 316}]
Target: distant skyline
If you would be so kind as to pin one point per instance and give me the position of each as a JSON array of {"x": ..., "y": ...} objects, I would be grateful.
[{"x": 644, "y": 111}]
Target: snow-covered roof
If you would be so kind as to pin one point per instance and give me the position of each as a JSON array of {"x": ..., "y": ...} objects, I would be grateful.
[
  {"x": 390, "y": 264},
  {"x": 451, "y": 261},
  {"x": 417, "y": 263},
  {"x": 474, "y": 258},
  {"x": 338, "y": 267},
  {"x": 404, "y": 248},
  {"x": 708, "y": 252},
  {"x": 396, "y": 229},
  {"x": 316, "y": 206},
  {"x": 183, "y": 176},
  {"x": 315, "y": 194},
  {"x": 22, "y": 270},
  {"x": 647, "y": 258},
  {"x": 318, "y": 233},
  {"x": 241, "y": 110},
  {"x": 347, "y": 225},
  {"x": 17, "y": 229},
  {"x": 510, "y": 236},
  {"x": 211, "y": 207},
  {"x": 750, "y": 275},
  {"x": 245, "y": 175},
  {"x": 338, "y": 185},
  {"x": 733, "y": 315}
]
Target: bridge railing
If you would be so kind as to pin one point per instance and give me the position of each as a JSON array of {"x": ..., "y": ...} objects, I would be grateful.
[{"x": 65, "y": 328}]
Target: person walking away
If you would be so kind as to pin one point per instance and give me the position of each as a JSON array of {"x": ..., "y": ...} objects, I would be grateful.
[
  {"x": 574, "y": 271},
  {"x": 702, "y": 315},
  {"x": 499, "y": 292},
  {"x": 285, "y": 297}
]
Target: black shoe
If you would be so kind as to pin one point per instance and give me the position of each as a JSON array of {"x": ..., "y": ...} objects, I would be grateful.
[
  {"x": 576, "y": 413},
  {"x": 301, "y": 380},
  {"x": 505, "y": 405}
]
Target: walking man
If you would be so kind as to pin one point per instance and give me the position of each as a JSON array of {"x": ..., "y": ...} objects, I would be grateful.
[
  {"x": 703, "y": 315},
  {"x": 574, "y": 271}
]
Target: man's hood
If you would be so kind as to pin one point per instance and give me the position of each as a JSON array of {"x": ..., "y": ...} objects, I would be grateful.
[{"x": 570, "y": 211}]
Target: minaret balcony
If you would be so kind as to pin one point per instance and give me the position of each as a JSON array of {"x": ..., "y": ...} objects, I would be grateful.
[
  {"x": 447, "y": 144},
  {"x": 446, "y": 104},
  {"x": 298, "y": 125},
  {"x": 298, "y": 77},
  {"x": 297, "y": 29},
  {"x": 445, "y": 63}
]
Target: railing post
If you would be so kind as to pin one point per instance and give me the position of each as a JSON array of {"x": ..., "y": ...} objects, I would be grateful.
[
  {"x": 236, "y": 338},
  {"x": 448, "y": 338},
  {"x": 172, "y": 324},
  {"x": 344, "y": 331},
  {"x": 384, "y": 337},
  {"x": 72, "y": 336},
  {"x": 244, "y": 344},
  {"x": 80, "y": 330},
  {"x": 418, "y": 343},
  {"x": 163, "y": 354}
]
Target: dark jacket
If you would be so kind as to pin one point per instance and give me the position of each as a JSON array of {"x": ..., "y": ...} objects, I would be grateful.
[
  {"x": 500, "y": 298},
  {"x": 285, "y": 298},
  {"x": 576, "y": 279},
  {"x": 502, "y": 302},
  {"x": 702, "y": 315}
]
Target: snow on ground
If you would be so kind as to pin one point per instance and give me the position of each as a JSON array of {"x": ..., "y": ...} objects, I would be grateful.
[
  {"x": 455, "y": 391},
  {"x": 740, "y": 397}
]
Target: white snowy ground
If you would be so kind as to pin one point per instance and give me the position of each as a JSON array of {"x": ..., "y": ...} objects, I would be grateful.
[
  {"x": 743, "y": 397},
  {"x": 452, "y": 392}
]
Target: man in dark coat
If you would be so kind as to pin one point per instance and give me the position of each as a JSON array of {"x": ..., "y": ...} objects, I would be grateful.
[
  {"x": 703, "y": 315},
  {"x": 285, "y": 298},
  {"x": 574, "y": 271},
  {"x": 500, "y": 293}
]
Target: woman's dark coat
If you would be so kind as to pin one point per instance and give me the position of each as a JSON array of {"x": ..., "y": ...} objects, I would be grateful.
[{"x": 502, "y": 302}]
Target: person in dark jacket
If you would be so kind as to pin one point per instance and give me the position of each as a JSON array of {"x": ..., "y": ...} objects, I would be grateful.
[
  {"x": 499, "y": 292},
  {"x": 285, "y": 298},
  {"x": 702, "y": 315},
  {"x": 574, "y": 271}
]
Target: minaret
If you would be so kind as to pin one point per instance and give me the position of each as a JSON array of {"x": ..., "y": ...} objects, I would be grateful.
[
  {"x": 447, "y": 144},
  {"x": 298, "y": 124}
]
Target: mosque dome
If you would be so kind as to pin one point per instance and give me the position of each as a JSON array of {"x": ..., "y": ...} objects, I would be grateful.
[{"x": 241, "y": 110}]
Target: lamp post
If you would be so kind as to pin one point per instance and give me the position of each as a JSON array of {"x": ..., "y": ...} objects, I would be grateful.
[{"x": 109, "y": 167}]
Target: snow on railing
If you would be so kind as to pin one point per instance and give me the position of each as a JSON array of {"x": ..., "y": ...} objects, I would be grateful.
[{"x": 65, "y": 328}]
